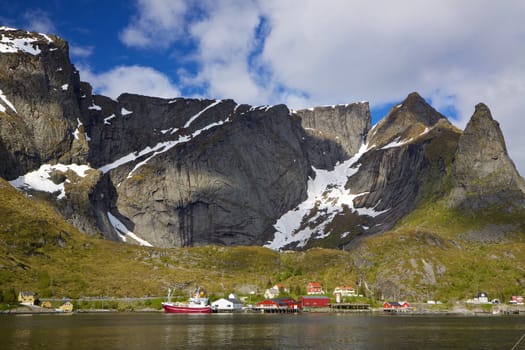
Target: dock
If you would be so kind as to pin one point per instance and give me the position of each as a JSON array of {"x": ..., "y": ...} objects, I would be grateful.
[{"x": 350, "y": 307}]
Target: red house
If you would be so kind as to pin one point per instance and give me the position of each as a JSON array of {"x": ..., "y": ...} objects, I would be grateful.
[
  {"x": 314, "y": 301},
  {"x": 314, "y": 288},
  {"x": 278, "y": 304},
  {"x": 395, "y": 305}
]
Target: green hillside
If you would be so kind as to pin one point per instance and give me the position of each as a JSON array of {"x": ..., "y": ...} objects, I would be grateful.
[
  {"x": 424, "y": 258},
  {"x": 439, "y": 254}
]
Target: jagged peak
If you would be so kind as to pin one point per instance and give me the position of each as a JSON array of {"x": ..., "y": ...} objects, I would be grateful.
[
  {"x": 482, "y": 111},
  {"x": 483, "y": 124},
  {"x": 482, "y": 167},
  {"x": 405, "y": 121}
]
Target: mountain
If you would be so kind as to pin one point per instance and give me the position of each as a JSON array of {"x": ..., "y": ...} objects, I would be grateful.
[{"x": 188, "y": 172}]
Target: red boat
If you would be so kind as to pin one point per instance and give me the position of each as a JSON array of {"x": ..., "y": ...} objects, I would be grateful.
[
  {"x": 197, "y": 304},
  {"x": 180, "y": 308}
]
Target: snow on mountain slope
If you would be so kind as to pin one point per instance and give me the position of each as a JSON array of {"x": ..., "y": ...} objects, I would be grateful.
[
  {"x": 326, "y": 197},
  {"x": 41, "y": 179}
]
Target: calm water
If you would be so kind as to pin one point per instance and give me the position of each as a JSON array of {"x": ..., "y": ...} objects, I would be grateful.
[{"x": 254, "y": 331}]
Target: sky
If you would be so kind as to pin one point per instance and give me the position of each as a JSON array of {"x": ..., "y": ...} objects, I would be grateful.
[{"x": 303, "y": 53}]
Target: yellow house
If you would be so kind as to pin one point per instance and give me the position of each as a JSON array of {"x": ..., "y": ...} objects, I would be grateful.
[
  {"x": 46, "y": 304},
  {"x": 26, "y": 298},
  {"x": 66, "y": 307}
]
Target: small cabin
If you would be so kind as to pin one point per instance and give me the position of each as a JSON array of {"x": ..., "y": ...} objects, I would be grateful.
[
  {"x": 280, "y": 304},
  {"x": 314, "y": 288},
  {"x": 26, "y": 298},
  {"x": 482, "y": 297},
  {"x": 227, "y": 305},
  {"x": 389, "y": 305},
  {"x": 65, "y": 307},
  {"x": 345, "y": 291},
  {"x": 275, "y": 291}
]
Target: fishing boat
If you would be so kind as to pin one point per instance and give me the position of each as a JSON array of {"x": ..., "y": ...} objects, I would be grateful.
[{"x": 198, "y": 303}]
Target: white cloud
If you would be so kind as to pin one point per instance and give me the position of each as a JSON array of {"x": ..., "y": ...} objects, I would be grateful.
[
  {"x": 157, "y": 24},
  {"x": 225, "y": 39},
  {"x": 39, "y": 21},
  {"x": 132, "y": 79},
  {"x": 80, "y": 51}
]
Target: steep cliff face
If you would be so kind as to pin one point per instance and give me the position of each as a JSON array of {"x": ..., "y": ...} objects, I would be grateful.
[
  {"x": 334, "y": 133},
  {"x": 225, "y": 186},
  {"x": 484, "y": 175},
  {"x": 40, "y": 110},
  {"x": 412, "y": 145},
  {"x": 404, "y": 160}
]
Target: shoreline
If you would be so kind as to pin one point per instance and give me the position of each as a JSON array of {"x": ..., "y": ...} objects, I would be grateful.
[{"x": 503, "y": 310}]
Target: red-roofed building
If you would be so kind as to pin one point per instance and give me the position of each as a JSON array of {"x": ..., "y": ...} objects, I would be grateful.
[
  {"x": 345, "y": 291},
  {"x": 314, "y": 288},
  {"x": 395, "y": 305},
  {"x": 314, "y": 301},
  {"x": 278, "y": 305}
]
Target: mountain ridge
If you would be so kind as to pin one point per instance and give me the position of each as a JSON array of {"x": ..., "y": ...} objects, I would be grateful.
[{"x": 186, "y": 172}]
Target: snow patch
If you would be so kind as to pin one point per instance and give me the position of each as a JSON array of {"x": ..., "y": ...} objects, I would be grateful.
[
  {"x": 65, "y": 87},
  {"x": 95, "y": 107},
  {"x": 188, "y": 123},
  {"x": 40, "y": 180},
  {"x": 123, "y": 231},
  {"x": 157, "y": 149},
  {"x": 397, "y": 142},
  {"x": 7, "y": 102},
  {"x": 49, "y": 40},
  {"x": 107, "y": 119},
  {"x": 76, "y": 133},
  {"x": 14, "y": 45},
  {"x": 124, "y": 111},
  {"x": 327, "y": 197}
]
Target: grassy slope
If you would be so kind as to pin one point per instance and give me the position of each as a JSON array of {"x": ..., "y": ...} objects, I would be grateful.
[
  {"x": 40, "y": 252},
  {"x": 427, "y": 257}
]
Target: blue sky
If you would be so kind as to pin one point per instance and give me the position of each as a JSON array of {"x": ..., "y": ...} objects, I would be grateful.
[{"x": 300, "y": 52}]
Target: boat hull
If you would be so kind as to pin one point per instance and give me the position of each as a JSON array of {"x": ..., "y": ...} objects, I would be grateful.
[{"x": 186, "y": 309}]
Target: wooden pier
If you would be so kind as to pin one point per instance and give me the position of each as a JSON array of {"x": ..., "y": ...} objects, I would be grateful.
[{"x": 348, "y": 307}]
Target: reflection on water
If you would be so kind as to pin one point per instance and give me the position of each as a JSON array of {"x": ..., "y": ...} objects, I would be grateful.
[{"x": 257, "y": 331}]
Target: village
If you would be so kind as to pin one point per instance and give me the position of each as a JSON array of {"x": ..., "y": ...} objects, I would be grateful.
[{"x": 277, "y": 299}]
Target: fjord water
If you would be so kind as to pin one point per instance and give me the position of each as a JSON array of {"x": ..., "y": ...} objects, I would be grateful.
[{"x": 253, "y": 331}]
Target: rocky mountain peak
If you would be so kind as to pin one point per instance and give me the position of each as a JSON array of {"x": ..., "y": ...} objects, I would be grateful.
[
  {"x": 40, "y": 91},
  {"x": 336, "y": 132},
  {"x": 404, "y": 122},
  {"x": 484, "y": 175}
]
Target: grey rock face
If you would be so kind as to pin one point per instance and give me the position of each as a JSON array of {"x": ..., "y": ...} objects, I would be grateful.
[
  {"x": 406, "y": 120},
  {"x": 484, "y": 175},
  {"x": 393, "y": 176},
  {"x": 42, "y": 85},
  {"x": 335, "y": 133},
  {"x": 227, "y": 186}
]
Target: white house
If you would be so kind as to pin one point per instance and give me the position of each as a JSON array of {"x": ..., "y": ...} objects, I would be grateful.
[
  {"x": 345, "y": 291},
  {"x": 481, "y": 298},
  {"x": 230, "y": 304},
  {"x": 275, "y": 291}
]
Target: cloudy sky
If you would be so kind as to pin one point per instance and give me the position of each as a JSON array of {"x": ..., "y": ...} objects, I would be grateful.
[{"x": 300, "y": 52}]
